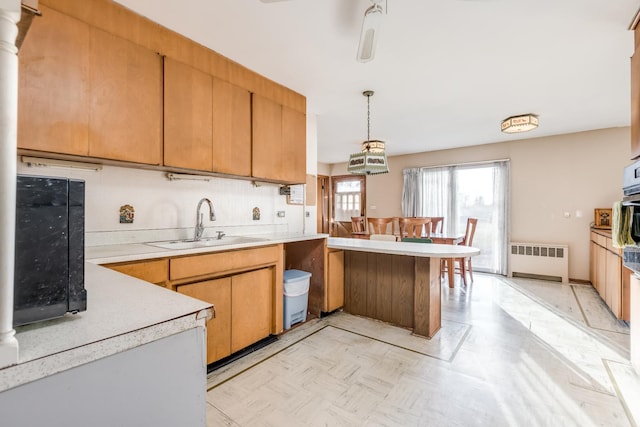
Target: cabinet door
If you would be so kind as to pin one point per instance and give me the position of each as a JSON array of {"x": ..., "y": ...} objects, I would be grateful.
[
  {"x": 625, "y": 299},
  {"x": 125, "y": 120},
  {"x": 294, "y": 145},
  {"x": 187, "y": 116},
  {"x": 231, "y": 129},
  {"x": 251, "y": 307},
  {"x": 335, "y": 280},
  {"x": 613, "y": 291},
  {"x": 593, "y": 249},
  {"x": 635, "y": 106},
  {"x": 267, "y": 153},
  {"x": 53, "y": 88},
  {"x": 218, "y": 293},
  {"x": 601, "y": 270}
]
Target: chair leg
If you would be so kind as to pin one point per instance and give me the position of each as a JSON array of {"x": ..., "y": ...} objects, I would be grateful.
[
  {"x": 463, "y": 270},
  {"x": 470, "y": 269}
]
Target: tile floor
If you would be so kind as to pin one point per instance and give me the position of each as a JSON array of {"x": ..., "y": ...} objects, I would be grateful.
[{"x": 511, "y": 352}]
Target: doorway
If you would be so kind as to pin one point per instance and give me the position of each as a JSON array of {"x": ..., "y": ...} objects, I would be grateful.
[{"x": 347, "y": 200}]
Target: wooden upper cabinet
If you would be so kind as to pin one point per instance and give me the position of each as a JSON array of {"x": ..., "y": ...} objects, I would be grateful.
[
  {"x": 187, "y": 116},
  {"x": 231, "y": 129},
  {"x": 207, "y": 122},
  {"x": 126, "y": 100},
  {"x": 53, "y": 90},
  {"x": 267, "y": 153},
  {"x": 279, "y": 142},
  {"x": 294, "y": 145},
  {"x": 635, "y": 105}
]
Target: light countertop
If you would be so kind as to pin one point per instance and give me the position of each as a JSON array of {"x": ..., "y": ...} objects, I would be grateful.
[
  {"x": 433, "y": 250},
  {"x": 122, "y": 313},
  {"x": 139, "y": 251}
]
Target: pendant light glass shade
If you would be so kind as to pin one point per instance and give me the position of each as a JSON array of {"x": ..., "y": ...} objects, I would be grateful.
[{"x": 372, "y": 160}]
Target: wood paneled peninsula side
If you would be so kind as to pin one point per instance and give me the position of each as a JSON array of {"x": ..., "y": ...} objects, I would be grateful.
[{"x": 396, "y": 282}]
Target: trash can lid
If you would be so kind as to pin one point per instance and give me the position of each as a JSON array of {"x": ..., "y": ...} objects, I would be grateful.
[{"x": 295, "y": 274}]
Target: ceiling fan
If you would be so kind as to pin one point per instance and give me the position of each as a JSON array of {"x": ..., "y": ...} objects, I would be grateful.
[{"x": 370, "y": 29}]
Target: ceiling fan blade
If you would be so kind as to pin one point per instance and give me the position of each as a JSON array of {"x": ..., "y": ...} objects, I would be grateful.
[{"x": 369, "y": 34}]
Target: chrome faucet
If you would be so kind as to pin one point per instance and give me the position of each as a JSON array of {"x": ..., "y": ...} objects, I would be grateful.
[{"x": 212, "y": 217}]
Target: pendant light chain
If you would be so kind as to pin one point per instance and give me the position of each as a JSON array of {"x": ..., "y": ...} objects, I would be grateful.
[{"x": 368, "y": 118}]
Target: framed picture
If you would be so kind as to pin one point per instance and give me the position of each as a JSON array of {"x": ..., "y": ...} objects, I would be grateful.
[{"x": 603, "y": 218}]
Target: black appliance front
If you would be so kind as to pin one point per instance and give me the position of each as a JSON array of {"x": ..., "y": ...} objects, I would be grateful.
[{"x": 49, "y": 249}]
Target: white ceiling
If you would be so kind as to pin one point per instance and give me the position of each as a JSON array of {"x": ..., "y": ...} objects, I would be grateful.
[{"x": 446, "y": 72}]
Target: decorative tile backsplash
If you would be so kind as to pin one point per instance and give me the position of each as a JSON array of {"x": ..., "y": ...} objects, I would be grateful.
[{"x": 168, "y": 208}]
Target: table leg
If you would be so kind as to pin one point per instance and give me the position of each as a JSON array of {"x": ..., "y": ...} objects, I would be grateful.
[{"x": 450, "y": 271}]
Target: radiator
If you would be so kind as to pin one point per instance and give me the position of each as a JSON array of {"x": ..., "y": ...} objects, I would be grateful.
[{"x": 539, "y": 260}]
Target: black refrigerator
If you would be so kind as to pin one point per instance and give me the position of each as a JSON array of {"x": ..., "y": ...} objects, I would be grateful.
[{"x": 49, "y": 248}]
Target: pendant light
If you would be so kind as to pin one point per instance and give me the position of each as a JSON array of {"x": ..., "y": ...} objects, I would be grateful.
[{"x": 372, "y": 160}]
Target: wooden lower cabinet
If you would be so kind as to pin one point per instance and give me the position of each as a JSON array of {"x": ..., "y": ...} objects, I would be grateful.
[
  {"x": 242, "y": 306},
  {"x": 250, "y": 308},
  {"x": 335, "y": 280},
  {"x": 153, "y": 271},
  {"x": 608, "y": 276},
  {"x": 218, "y": 293}
]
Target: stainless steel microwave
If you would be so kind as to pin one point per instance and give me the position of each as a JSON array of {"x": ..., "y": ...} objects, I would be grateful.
[{"x": 49, "y": 249}]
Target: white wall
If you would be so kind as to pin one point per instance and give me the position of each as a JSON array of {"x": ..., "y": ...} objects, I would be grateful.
[
  {"x": 163, "y": 204},
  {"x": 573, "y": 173}
]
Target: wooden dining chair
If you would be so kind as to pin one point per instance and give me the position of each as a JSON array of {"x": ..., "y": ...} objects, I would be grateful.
[
  {"x": 463, "y": 265},
  {"x": 414, "y": 227},
  {"x": 437, "y": 224},
  {"x": 359, "y": 227},
  {"x": 380, "y": 225}
]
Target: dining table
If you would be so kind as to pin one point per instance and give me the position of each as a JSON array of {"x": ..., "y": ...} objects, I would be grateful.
[{"x": 448, "y": 239}]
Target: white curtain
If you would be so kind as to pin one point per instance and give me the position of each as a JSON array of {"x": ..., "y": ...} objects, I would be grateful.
[
  {"x": 461, "y": 191},
  {"x": 412, "y": 191}
]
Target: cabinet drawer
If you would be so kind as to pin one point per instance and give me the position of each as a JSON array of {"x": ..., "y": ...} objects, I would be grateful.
[
  {"x": 154, "y": 271},
  {"x": 223, "y": 262}
]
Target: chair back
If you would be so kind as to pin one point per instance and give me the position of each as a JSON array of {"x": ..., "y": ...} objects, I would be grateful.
[
  {"x": 437, "y": 224},
  {"x": 385, "y": 237},
  {"x": 379, "y": 225},
  {"x": 470, "y": 231},
  {"x": 414, "y": 227},
  {"x": 358, "y": 224}
]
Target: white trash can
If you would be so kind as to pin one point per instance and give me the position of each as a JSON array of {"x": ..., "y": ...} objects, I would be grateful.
[{"x": 296, "y": 296}]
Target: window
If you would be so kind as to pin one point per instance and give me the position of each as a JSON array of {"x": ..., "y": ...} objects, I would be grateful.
[
  {"x": 347, "y": 197},
  {"x": 461, "y": 191}
]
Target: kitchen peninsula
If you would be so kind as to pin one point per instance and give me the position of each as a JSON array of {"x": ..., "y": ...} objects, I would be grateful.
[{"x": 396, "y": 282}]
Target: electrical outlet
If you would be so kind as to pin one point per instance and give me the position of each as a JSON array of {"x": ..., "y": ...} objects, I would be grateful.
[{"x": 280, "y": 214}]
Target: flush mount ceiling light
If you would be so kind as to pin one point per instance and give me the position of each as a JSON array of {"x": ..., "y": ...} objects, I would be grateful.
[
  {"x": 517, "y": 124},
  {"x": 372, "y": 160},
  {"x": 370, "y": 30}
]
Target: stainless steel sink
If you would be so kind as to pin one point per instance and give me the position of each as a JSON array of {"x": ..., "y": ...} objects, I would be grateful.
[{"x": 206, "y": 242}]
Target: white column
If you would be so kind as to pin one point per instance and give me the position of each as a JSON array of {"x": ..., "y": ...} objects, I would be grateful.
[{"x": 9, "y": 17}]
